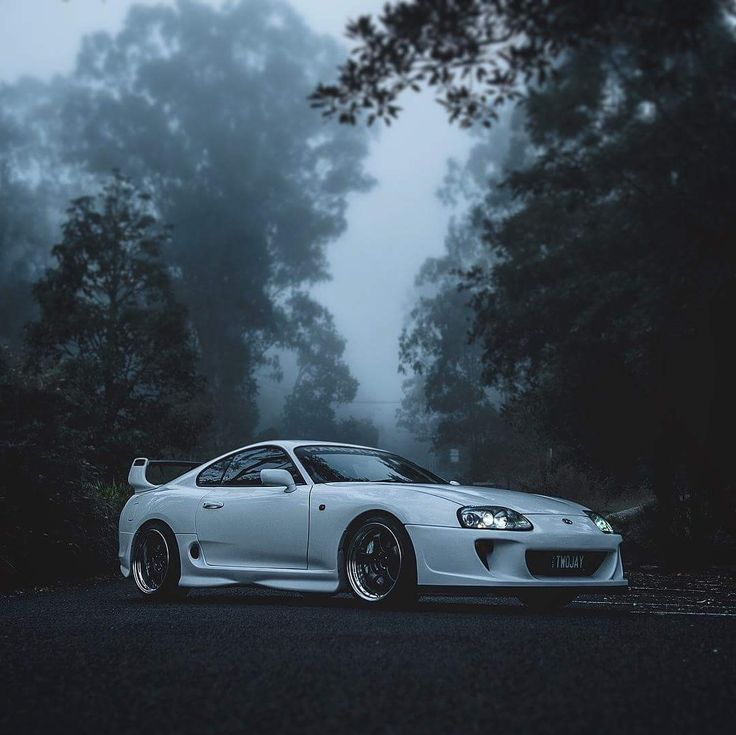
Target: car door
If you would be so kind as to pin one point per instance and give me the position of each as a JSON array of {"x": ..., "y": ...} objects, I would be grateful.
[{"x": 241, "y": 523}]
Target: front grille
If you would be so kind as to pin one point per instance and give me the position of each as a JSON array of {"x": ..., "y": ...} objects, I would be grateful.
[{"x": 564, "y": 563}]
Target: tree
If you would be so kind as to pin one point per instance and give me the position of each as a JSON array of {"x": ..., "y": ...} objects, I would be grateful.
[
  {"x": 205, "y": 107},
  {"x": 609, "y": 303},
  {"x": 24, "y": 234},
  {"x": 111, "y": 337},
  {"x": 356, "y": 431},
  {"x": 323, "y": 380},
  {"x": 605, "y": 308},
  {"x": 54, "y": 523},
  {"x": 447, "y": 400},
  {"x": 209, "y": 106},
  {"x": 479, "y": 54}
]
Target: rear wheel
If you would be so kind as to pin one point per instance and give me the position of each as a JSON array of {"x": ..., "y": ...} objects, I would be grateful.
[
  {"x": 546, "y": 600},
  {"x": 380, "y": 565},
  {"x": 156, "y": 564}
]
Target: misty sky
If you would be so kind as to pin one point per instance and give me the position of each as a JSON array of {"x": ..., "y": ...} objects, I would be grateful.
[{"x": 391, "y": 229}]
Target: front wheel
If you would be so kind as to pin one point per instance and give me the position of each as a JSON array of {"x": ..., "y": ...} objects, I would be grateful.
[
  {"x": 380, "y": 565},
  {"x": 156, "y": 564},
  {"x": 546, "y": 600}
]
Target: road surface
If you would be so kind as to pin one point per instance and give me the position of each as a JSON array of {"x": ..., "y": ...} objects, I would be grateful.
[{"x": 96, "y": 658}]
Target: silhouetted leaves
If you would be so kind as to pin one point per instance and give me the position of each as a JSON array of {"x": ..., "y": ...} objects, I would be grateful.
[{"x": 479, "y": 54}]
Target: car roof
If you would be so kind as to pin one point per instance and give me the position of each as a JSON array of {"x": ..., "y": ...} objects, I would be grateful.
[{"x": 294, "y": 443}]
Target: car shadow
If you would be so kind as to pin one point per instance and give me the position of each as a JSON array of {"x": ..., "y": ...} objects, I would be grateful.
[{"x": 491, "y": 606}]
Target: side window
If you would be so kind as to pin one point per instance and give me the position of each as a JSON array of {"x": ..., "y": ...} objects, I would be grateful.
[
  {"x": 245, "y": 468},
  {"x": 212, "y": 475}
]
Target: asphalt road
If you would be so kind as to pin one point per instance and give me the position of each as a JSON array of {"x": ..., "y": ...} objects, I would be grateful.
[{"x": 97, "y": 658}]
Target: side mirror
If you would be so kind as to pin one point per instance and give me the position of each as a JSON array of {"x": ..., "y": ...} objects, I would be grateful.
[
  {"x": 278, "y": 478},
  {"x": 454, "y": 482}
]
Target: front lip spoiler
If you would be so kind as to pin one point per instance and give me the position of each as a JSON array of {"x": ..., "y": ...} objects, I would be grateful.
[{"x": 474, "y": 591}]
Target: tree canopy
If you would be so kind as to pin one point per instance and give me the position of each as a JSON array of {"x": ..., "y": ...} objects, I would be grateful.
[
  {"x": 447, "y": 400},
  {"x": 603, "y": 303},
  {"x": 479, "y": 54},
  {"x": 323, "y": 378},
  {"x": 206, "y": 108},
  {"x": 111, "y": 337},
  {"x": 611, "y": 297}
]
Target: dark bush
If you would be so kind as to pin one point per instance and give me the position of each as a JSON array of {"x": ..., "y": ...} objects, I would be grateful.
[
  {"x": 53, "y": 525},
  {"x": 54, "y": 522}
]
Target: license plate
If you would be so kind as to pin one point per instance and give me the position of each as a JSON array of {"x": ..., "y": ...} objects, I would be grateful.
[
  {"x": 574, "y": 563},
  {"x": 565, "y": 562}
]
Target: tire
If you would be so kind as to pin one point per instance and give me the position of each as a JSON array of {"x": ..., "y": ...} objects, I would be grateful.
[
  {"x": 546, "y": 600},
  {"x": 155, "y": 562},
  {"x": 379, "y": 564}
]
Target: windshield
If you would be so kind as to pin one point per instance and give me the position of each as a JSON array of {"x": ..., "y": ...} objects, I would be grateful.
[{"x": 349, "y": 464}]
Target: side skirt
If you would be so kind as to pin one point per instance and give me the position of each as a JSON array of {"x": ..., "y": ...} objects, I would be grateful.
[{"x": 195, "y": 573}]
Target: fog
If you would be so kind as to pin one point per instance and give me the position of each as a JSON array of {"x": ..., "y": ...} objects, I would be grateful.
[{"x": 391, "y": 229}]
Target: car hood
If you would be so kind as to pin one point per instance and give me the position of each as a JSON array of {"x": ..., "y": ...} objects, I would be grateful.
[{"x": 521, "y": 502}]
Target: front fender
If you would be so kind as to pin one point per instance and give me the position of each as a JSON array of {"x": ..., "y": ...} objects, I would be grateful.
[{"x": 333, "y": 508}]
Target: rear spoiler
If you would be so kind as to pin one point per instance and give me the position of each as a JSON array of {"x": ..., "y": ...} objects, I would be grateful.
[{"x": 146, "y": 474}]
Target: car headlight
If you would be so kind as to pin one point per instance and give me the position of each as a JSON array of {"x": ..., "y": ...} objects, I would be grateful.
[
  {"x": 494, "y": 518},
  {"x": 600, "y": 521}
]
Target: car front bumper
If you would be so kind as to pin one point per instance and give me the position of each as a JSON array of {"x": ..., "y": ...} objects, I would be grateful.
[{"x": 470, "y": 558}]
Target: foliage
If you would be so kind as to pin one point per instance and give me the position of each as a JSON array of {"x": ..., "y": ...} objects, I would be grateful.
[
  {"x": 447, "y": 400},
  {"x": 111, "y": 335},
  {"x": 323, "y": 380},
  {"x": 355, "y": 431},
  {"x": 114, "y": 492},
  {"x": 446, "y": 393},
  {"x": 211, "y": 110},
  {"x": 53, "y": 525},
  {"x": 603, "y": 305},
  {"x": 609, "y": 303},
  {"x": 479, "y": 54},
  {"x": 205, "y": 107},
  {"x": 22, "y": 233}
]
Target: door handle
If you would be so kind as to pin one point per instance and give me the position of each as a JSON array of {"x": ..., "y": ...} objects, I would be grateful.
[{"x": 212, "y": 505}]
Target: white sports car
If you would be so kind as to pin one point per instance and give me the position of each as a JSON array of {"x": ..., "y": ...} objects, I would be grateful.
[{"x": 320, "y": 517}]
